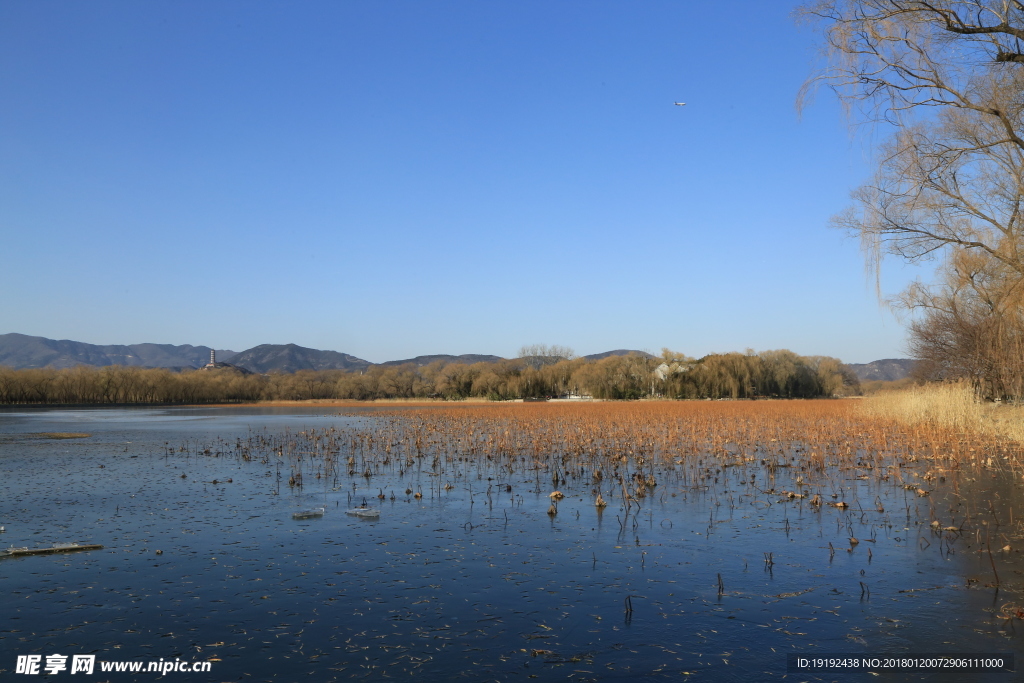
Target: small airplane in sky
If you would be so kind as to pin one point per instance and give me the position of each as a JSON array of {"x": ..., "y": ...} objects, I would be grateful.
[{"x": 679, "y": 104}]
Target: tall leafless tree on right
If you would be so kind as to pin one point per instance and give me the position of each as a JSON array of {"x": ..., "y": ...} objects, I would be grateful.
[{"x": 948, "y": 77}]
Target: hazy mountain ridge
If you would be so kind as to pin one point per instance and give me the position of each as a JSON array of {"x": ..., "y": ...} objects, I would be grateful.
[
  {"x": 466, "y": 358},
  {"x": 617, "y": 352},
  {"x": 292, "y": 357},
  {"x": 887, "y": 369},
  {"x": 22, "y": 351}
]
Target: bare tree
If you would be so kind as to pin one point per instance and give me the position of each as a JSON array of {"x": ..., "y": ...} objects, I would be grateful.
[
  {"x": 948, "y": 75},
  {"x": 971, "y": 327},
  {"x": 539, "y": 355}
]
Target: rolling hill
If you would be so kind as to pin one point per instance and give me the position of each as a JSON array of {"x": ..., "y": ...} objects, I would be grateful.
[
  {"x": 292, "y": 357},
  {"x": 887, "y": 369},
  {"x": 23, "y": 351},
  {"x": 617, "y": 352},
  {"x": 466, "y": 358}
]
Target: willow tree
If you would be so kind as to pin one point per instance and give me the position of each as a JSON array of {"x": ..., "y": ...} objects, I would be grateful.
[{"x": 948, "y": 76}]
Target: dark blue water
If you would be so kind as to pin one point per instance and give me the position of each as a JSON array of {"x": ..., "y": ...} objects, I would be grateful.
[{"x": 463, "y": 583}]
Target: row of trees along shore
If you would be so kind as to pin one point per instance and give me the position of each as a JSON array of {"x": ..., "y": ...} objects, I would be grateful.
[{"x": 781, "y": 374}]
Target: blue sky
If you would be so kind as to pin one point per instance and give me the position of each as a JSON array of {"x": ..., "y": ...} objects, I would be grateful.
[{"x": 390, "y": 179}]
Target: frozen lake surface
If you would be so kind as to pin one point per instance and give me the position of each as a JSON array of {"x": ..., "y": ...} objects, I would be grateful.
[{"x": 472, "y": 581}]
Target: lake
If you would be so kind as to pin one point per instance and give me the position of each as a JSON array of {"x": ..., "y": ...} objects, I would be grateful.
[{"x": 711, "y": 561}]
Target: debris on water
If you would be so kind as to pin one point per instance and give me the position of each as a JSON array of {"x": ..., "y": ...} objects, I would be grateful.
[
  {"x": 368, "y": 513},
  {"x": 309, "y": 514},
  {"x": 1011, "y": 611}
]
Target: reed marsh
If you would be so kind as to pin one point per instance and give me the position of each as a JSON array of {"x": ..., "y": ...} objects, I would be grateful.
[
  {"x": 856, "y": 465},
  {"x": 954, "y": 406}
]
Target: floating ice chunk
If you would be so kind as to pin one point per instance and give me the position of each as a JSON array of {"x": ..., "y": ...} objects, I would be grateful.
[{"x": 363, "y": 512}]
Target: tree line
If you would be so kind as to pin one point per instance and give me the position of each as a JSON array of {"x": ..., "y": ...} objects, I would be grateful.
[{"x": 781, "y": 374}]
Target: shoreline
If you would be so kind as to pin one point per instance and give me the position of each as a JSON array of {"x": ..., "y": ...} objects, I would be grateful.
[{"x": 402, "y": 402}]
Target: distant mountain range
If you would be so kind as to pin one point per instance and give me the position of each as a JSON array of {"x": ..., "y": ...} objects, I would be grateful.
[
  {"x": 21, "y": 351},
  {"x": 887, "y": 369}
]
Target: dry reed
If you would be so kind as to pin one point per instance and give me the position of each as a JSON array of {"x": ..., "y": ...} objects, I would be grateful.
[
  {"x": 953, "y": 406},
  {"x": 792, "y": 450}
]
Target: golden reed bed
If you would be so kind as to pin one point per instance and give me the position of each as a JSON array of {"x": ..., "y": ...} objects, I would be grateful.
[
  {"x": 940, "y": 423},
  {"x": 821, "y": 441},
  {"x": 837, "y": 429}
]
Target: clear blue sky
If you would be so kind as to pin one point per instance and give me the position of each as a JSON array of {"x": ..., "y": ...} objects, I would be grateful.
[{"x": 390, "y": 179}]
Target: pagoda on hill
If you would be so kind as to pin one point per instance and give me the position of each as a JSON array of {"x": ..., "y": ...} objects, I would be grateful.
[{"x": 214, "y": 365}]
